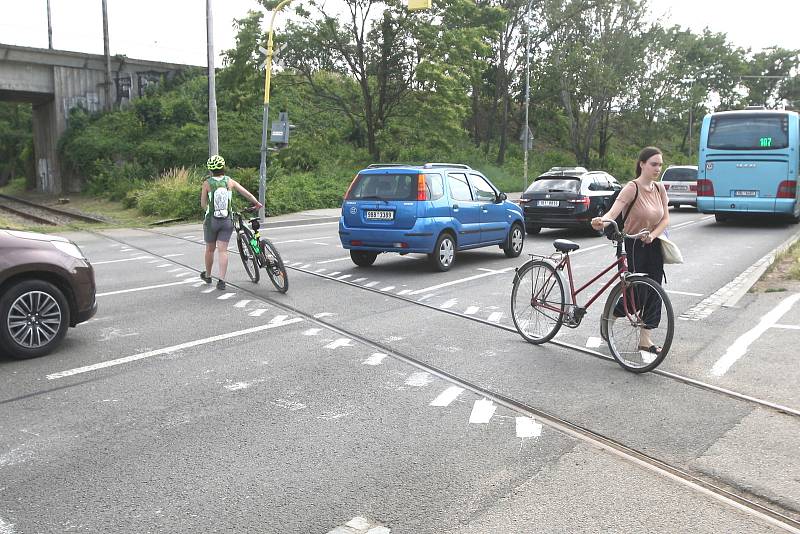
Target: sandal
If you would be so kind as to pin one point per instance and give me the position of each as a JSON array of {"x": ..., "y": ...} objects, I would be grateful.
[{"x": 651, "y": 349}]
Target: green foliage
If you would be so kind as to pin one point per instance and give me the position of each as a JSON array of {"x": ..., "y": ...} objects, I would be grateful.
[{"x": 176, "y": 193}]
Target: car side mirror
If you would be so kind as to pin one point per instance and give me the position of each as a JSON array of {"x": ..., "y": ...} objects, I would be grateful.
[{"x": 501, "y": 197}]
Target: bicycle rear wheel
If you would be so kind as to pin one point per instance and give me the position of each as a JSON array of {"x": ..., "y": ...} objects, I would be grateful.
[
  {"x": 248, "y": 258},
  {"x": 639, "y": 324},
  {"x": 537, "y": 302},
  {"x": 274, "y": 266}
]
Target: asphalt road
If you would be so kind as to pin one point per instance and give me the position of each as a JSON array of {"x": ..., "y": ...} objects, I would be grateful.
[{"x": 371, "y": 400}]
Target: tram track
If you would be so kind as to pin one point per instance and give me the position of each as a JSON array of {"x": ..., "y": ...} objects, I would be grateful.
[
  {"x": 41, "y": 214},
  {"x": 762, "y": 403},
  {"x": 754, "y": 505}
]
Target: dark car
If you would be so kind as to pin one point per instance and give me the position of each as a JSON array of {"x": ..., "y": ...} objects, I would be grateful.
[
  {"x": 46, "y": 286},
  {"x": 567, "y": 197},
  {"x": 434, "y": 209}
]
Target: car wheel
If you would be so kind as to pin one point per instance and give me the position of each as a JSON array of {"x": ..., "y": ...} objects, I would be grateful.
[
  {"x": 363, "y": 258},
  {"x": 34, "y": 317},
  {"x": 514, "y": 242},
  {"x": 533, "y": 230},
  {"x": 443, "y": 253}
]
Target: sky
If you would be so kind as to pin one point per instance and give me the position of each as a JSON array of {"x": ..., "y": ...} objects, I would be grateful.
[{"x": 175, "y": 30}]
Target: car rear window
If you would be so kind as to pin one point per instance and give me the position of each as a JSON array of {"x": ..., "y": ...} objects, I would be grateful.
[
  {"x": 749, "y": 132},
  {"x": 680, "y": 175},
  {"x": 554, "y": 185},
  {"x": 384, "y": 187}
]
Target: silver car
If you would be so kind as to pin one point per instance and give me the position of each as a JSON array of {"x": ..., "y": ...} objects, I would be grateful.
[{"x": 680, "y": 182}]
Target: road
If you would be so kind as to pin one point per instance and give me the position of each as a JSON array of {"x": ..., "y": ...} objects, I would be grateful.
[{"x": 396, "y": 399}]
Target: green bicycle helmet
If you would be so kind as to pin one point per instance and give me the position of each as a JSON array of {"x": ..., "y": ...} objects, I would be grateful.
[{"x": 215, "y": 163}]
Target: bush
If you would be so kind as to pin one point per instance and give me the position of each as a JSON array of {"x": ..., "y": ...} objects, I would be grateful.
[{"x": 175, "y": 193}]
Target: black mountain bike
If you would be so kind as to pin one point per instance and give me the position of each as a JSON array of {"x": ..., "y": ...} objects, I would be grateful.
[{"x": 257, "y": 252}]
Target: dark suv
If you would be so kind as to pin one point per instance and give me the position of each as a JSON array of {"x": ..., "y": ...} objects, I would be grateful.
[
  {"x": 567, "y": 197},
  {"x": 46, "y": 285}
]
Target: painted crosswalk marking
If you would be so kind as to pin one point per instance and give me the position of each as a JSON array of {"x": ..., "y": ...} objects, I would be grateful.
[
  {"x": 257, "y": 313},
  {"x": 341, "y": 342},
  {"x": 495, "y": 317},
  {"x": 404, "y": 292},
  {"x": 471, "y": 310},
  {"x": 226, "y": 296},
  {"x": 359, "y": 280},
  {"x": 482, "y": 411},
  {"x": 242, "y": 303},
  {"x": 447, "y": 396},
  {"x": 387, "y": 288},
  {"x": 527, "y": 427},
  {"x": 312, "y": 332},
  {"x": 371, "y": 284},
  {"x": 419, "y": 379},
  {"x": 360, "y": 525},
  {"x": 449, "y": 304},
  {"x": 375, "y": 359},
  {"x": 593, "y": 342}
]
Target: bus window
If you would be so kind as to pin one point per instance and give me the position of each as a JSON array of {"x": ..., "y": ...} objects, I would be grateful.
[{"x": 748, "y": 132}]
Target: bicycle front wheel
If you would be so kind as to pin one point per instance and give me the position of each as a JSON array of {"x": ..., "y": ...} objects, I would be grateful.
[
  {"x": 274, "y": 266},
  {"x": 639, "y": 324},
  {"x": 537, "y": 302},
  {"x": 248, "y": 258}
]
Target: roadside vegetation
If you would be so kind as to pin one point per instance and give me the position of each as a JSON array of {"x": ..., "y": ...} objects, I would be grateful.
[{"x": 440, "y": 85}]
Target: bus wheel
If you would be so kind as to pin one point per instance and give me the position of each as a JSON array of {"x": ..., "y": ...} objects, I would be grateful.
[{"x": 720, "y": 218}]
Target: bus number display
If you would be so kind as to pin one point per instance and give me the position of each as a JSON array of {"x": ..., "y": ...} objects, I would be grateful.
[{"x": 766, "y": 142}]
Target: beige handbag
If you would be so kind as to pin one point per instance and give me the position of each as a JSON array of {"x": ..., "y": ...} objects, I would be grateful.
[{"x": 670, "y": 251}]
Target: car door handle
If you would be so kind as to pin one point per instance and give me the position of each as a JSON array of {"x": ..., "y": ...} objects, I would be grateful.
[{"x": 455, "y": 206}]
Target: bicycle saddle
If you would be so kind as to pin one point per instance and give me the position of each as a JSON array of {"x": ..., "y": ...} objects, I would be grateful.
[{"x": 565, "y": 245}]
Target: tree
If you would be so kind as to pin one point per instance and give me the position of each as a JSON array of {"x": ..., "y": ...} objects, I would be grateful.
[{"x": 767, "y": 75}]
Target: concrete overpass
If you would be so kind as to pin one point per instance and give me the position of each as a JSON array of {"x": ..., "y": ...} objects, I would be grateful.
[{"x": 55, "y": 81}]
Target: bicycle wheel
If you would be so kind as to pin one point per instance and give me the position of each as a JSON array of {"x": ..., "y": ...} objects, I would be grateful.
[
  {"x": 537, "y": 302},
  {"x": 248, "y": 258},
  {"x": 637, "y": 317},
  {"x": 274, "y": 265}
]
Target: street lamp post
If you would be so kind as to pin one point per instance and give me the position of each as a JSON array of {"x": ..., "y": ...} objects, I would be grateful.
[
  {"x": 690, "y": 81},
  {"x": 526, "y": 134},
  {"x": 262, "y": 171}
]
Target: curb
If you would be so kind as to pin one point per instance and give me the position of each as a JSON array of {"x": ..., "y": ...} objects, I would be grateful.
[{"x": 753, "y": 273}]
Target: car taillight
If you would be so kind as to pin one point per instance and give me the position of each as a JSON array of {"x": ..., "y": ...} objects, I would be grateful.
[
  {"x": 787, "y": 189},
  {"x": 705, "y": 188},
  {"x": 522, "y": 200},
  {"x": 422, "y": 191},
  {"x": 692, "y": 188},
  {"x": 356, "y": 243},
  {"x": 584, "y": 201},
  {"x": 347, "y": 195}
]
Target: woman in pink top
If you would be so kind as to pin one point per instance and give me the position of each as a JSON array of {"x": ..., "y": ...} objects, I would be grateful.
[{"x": 646, "y": 211}]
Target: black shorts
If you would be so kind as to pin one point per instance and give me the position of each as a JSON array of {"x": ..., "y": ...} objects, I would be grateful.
[{"x": 215, "y": 229}]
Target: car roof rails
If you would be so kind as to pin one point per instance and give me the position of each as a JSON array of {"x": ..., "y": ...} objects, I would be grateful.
[
  {"x": 379, "y": 165},
  {"x": 566, "y": 169},
  {"x": 454, "y": 165}
]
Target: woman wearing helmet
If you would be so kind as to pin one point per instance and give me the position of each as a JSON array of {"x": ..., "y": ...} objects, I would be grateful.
[{"x": 215, "y": 199}]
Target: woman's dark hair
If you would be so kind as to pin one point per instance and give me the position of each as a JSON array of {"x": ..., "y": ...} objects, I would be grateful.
[{"x": 646, "y": 153}]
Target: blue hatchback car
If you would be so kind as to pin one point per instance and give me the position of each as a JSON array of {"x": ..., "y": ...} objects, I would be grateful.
[{"x": 435, "y": 209}]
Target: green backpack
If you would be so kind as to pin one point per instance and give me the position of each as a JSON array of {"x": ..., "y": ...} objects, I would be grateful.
[{"x": 219, "y": 197}]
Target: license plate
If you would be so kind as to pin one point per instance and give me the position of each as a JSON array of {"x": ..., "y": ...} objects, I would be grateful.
[
  {"x": 678, "y": 188},
  {"x": 548, "y": 203},
  {"x": 380, "y": 215},
  {"x": 745, "y": 193}
]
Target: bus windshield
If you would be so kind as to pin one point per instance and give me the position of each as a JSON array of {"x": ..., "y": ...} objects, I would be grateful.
[{"x": 748, "y": 132}]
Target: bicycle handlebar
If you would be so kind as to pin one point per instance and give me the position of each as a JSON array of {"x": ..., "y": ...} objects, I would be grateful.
[{"x": 619, "y": 232}]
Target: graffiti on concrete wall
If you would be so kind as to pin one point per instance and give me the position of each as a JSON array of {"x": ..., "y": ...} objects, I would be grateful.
[
  {"x": 148, "y": 79},
  {"x": 89, "y": 101},
  {"x": 124, "y": 83}
]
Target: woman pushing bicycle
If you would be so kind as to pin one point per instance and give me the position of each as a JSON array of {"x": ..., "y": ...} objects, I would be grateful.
[
  {"x": 215, "y": 199},
  {"x": 646, "y": 208}
]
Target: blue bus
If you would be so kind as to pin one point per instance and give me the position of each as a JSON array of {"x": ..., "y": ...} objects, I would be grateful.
[{"x": 749, "y": 162}]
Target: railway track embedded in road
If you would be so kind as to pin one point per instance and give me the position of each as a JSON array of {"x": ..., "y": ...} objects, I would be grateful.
[
  {"x": 742, "y": 499},
  {"x": 41, "y": 214}
]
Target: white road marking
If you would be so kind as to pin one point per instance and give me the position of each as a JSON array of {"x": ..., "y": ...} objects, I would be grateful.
[
  {"x": 447, "y": 396},
  {"x": 6, "y": 527},
  {"x": 482, "y": 411},
  {"x": 306, "y": 266},
  {"x": 163, "y": 265},
  {"x": 341, "y": 342},
  {"x": 289, "y": 404},
  {"x": 375, "y": 359},
  {"x": 258, "y": 313},
  {"x": 297, "y": 240},
  {"x": 448, "y": 304},
  {"x": 495, "y": 317},
  {"x": 323, "y": 244},
  {"x": 344, "y": 276},
  {"x": 323, "y": 314},
  {"x": 169, "y": 350},
  {"x": 371, "y": 284},
  {"x": 593, "y": 342},
  {"x": 226, "y": 296},
  {"x": 672, "y": 291},
  {"x": 173, "y": 255},
  {"x": 419, "y": 379},
  {"x": 181, "y": 275},
  {"x": 321, "y": 270},
  {"x": 740, "y": 346},
  {"x": 404, "y": 292},
  {"x": 236, "y": 386},
  {"x": 175, "y": 270},
  {"x": 460, "y": 281},
  {"x": 387, "y": 288},
  {"x": 331, "y": 261},
  {"x": 154, "y": 261},
  {"x": 198, "y": 284},
  {"x": 124, "y": 259},
  {"x": 471, "y": 310},
  {"x": 278, "y": 319},
  {"x": 527, "y": 427},
  {"x": 145, "y": 288},
  {"x": 209, "y": 290},
  {"x": 300, "y": 226},
  {"x": 242, "y": 303},
  {"x": 312, "y": 332},
  {"x": 360, "y": 525},
  {"x": 334, "y": 273},
  {"x": 787, "y": 326},
  {"x": 359, "y": 280}
]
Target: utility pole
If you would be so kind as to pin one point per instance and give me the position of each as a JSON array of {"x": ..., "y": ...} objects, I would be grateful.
[
  {"x": 108, "y": 58},
  {"x": 527, "y": 132},
  {"x": 213, "y": 138},
  {"x": 690, "y": 81},
  {"x": 49, "y": 28}
]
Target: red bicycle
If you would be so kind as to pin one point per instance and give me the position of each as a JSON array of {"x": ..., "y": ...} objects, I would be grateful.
[{"x": 637, "y": 322}]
